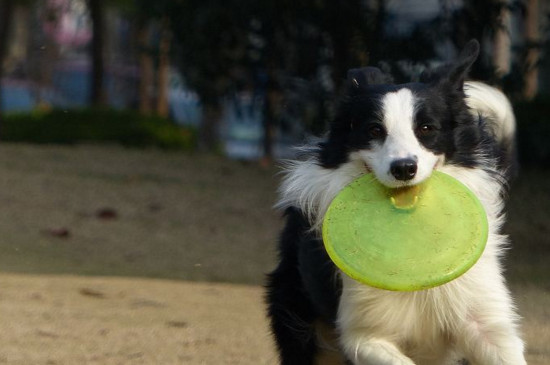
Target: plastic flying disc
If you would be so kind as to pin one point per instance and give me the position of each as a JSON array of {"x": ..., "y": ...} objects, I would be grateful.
[{"x": 405, "y": 239}]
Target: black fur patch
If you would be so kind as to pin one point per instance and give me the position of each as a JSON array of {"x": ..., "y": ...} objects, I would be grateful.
[{"x": 303, "y": 289}]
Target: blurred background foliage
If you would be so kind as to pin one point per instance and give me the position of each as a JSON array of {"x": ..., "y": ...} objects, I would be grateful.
[
  {"x": 126, "y": 127},
  {"x": 246, "y": 77}
]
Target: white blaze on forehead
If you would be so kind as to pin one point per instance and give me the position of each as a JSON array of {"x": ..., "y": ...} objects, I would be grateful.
[
  {"x": 397, "y": 114},
  {"x": 398, "y": 110}
]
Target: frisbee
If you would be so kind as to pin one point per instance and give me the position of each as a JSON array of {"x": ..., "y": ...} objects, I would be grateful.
[{"x": 405, "y": 239}]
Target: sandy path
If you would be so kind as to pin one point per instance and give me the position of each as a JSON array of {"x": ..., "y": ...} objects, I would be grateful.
[
  {"x": 105, "y": 320},
  {"x": 84, "y": 320}
]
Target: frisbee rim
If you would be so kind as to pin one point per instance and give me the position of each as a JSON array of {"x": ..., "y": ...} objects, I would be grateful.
[{"x": 458, "y": 269}]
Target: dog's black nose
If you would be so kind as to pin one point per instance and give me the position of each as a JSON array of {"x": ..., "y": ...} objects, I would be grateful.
[{"x": 403, "y": 169}]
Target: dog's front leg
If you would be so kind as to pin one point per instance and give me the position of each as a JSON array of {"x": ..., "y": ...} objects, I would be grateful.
[
  {"x": 489, "y": 335},
  {"x": 366, "y": 337},
  {"x": 373, "y": 351},
  {"x": 492, "y": 343}
]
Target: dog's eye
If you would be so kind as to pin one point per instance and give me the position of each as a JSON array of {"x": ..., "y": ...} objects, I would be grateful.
[
  {"x": 376, "y": 131},
  {"x": 425, "y": 129}
]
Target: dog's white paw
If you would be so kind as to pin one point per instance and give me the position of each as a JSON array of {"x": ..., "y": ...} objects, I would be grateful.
[{"x": 378, "y": 352}]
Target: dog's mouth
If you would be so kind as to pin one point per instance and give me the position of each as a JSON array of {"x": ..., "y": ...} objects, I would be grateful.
[
  {"x": 406, "y": 197},
  {"x": 403, "y": 194},
  {"x": 405, "y": 185}
]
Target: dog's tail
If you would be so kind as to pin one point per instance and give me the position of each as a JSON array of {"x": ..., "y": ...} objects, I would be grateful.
[{"x": 491, "y": 104}]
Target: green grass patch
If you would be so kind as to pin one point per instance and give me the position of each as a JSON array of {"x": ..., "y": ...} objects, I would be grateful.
[{"x": 126, "y": 127}]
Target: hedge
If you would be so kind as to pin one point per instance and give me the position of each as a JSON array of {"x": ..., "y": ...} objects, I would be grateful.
[{"x": 128, "y": 128}]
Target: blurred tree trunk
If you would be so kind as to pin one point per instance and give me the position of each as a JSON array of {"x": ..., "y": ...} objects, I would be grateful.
[
  {"x": 146, "y": 70},
  {"x": 501, "y": 40},
  {"x": 378, "y": 15},
  {"x": 163, "y": 69},
  {"x": 6, "y": 15},
  {"x": 98, "y": 97},
  {"x": 530, "y": 86}
]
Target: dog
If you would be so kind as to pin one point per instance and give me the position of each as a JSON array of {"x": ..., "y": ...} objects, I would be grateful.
[{"x": 401, "y": 134}]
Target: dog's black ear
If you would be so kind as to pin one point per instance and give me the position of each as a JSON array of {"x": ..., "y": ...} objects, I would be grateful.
[
  {"x": 457, "y": 71},
  {"x": 359, "y": 78}
]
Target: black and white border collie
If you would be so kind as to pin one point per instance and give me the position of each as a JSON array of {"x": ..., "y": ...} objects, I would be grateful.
[{"x": 400, "y": 133}]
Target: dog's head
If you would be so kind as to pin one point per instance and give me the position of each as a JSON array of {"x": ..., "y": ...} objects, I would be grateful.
[{"x": 402, "y": 132}]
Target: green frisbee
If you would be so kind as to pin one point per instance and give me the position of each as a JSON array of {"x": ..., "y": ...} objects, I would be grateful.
[{"x": 405, "y": 239}]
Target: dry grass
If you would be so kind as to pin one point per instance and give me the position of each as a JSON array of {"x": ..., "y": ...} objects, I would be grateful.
[{"x": 176, "y": 216}]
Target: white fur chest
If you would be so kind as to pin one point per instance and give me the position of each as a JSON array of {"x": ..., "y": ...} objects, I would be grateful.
[{"x": 422, "y": 320}]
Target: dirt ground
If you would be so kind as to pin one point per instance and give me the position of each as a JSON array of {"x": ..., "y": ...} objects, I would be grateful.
[
  {"x": 111, "y": 211},
  {"x": 82, "y": 227},
  {"x": 83, "y": 320},
  {"x": 55, "y": 320}
]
